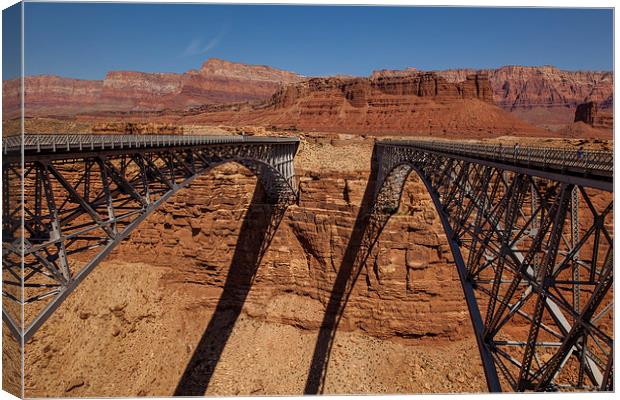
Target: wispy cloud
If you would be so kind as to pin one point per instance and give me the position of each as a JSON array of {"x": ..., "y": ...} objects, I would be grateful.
[{"x": 199, "y": 46}]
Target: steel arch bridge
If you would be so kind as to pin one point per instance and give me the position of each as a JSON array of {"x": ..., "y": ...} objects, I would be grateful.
[
  {"x": 531, "y": 231},
  {"x": 68, "y": 200}
]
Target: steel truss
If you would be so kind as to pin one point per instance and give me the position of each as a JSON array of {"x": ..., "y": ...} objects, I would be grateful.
[
  {"x": 534, "y": 253},
  {"x": 79, "y": 203}
]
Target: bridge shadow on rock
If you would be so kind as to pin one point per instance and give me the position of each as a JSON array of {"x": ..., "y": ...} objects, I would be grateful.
[
  {"x": 368, "y": 226},
  {"x": 257, "y": 231}
]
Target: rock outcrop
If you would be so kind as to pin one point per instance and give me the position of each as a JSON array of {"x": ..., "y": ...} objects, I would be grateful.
[
  {"x": 133, "y": 325},
  {"x": 51, "y": 95},
  {"x": 217, "y": 81},
  {"x": 543, "y": 94},
  {"x": 415, "y": 103},
  {"x": 594, "y": 115},
  {"x": 133, "y": 128},
  {"x": 359, "y": 91},
  {"x": 458, "y": 101},
  {"x": 522, "y": 87},
  {"x": 408, "y": 288}
]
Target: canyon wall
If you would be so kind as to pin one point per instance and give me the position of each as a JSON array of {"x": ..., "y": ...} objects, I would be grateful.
[
  {"x": 545, "y": 94},
  {"x": 522, "y": 86},
  {"x": 408, "y": 288},
  {"x": 51, "y": 95},
  {"x": 595, "y": 115},
  {"x": 151, "y": 303},
  {"x": 217, "y": 81},
  {"x": 417, "y": 103},
  {"x": 359, "y": 92},
  {"x": 135, "y": 324}
]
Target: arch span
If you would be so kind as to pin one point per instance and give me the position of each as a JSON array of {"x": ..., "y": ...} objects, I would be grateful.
[
  {"x": 79, "y": 207},
  {"x": 522, "y": 245}
]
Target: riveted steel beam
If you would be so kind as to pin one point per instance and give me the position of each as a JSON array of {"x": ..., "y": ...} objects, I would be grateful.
[
  {"x": 537, "y": 263},
  {"x": 86, "y": 193}
]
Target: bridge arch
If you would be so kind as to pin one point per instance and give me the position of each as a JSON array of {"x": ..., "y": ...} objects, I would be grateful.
[
  {"x": 513, "y": 234},
  {"x": 80, "y": 204}
]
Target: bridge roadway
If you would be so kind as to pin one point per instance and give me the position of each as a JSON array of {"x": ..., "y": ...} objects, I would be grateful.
[
  {"x": 529, "y": 229},
  {"x": 580, "y": 167}
]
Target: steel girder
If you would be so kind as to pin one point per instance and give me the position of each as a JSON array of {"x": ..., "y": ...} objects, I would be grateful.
[
  {"x": 65, "y": 209},
  {"x": 535, "y": 260}
]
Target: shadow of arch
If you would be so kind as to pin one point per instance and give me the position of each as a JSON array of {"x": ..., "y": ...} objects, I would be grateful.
[
  {"x": 381, "y": 200},
  {"x": 388, "y": 197},
  {"x": 258, "y": 229},
  {"x": 366, "y": 230},
  {"x": 276, "y": 191}
]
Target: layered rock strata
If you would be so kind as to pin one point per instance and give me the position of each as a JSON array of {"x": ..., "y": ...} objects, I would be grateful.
[
  {"x": 593, "y": 114},
  {"x": 517, "y": 86},
  {"x": 545, "y": 94},
  {"x": 417, "y": 103},
  {"x": 132, "y": 327},
  {"x": 217, "y": 81},
  {"x": 410, "y": 288}
]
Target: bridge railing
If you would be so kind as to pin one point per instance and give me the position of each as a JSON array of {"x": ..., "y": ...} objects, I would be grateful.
[
  {"x": 600, "y": 162},
  {"x": 62, "y": 142}
]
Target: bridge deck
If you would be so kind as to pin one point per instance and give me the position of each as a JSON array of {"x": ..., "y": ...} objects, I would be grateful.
[
  {"x": 35, "y": 145},
  {"x": 591, "y": 168}
]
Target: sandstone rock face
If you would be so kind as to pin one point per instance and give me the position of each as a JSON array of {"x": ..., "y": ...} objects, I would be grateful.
[
  {"x": 223, "y": 69},
  {"x": 416, "y": 103},
  {"x": 593, "y": 114},
  {"x": 552, "y": 92},
  {"x": 543, "y": 96},
  {"x": 360, "y": 91},
  {"x": 133, "y": 128},
  {"x": 51, "y": 93},
  {"x": 217, "y": 81},
  {"x": 520, "y": 86},
  {"x": 149, "y": 303},
  {"x": 193, "y": 251},
  {"x": 407, "y": 289},
  {"x": 450, "y": 103}
]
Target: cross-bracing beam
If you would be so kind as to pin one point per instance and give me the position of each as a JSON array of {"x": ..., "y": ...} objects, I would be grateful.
[
  {"x": 70, "y": 200},
  {"x": 538, "y": 253}
]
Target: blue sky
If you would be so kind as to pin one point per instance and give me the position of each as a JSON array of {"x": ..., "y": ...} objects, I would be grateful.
[{"x": 87, "y": 40}]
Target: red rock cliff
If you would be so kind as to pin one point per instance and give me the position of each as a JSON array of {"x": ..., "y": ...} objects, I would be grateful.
[
  {"x": 542, "y": 95},
  {"x": 409, "y": 288},
  {"x": 414, "y": 103},
  {"x": 520, "y": 86},
  {"x": 217, "y": 81},
  {"x": 360, "y": 91},
  {"x": 595, "y": 115}
]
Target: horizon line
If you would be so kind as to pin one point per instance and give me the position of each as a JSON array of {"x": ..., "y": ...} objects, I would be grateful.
[{"x": 312, "y": 76}]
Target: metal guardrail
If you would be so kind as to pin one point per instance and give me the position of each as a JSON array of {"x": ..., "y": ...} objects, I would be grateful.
[
  {"x": 37, "y": 143},
  {"x": 588, "y": 161},
  {"x": 599, "y": 162}
]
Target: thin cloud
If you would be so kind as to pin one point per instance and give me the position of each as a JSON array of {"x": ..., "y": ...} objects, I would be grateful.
[{"x": 197, "y": 46}]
